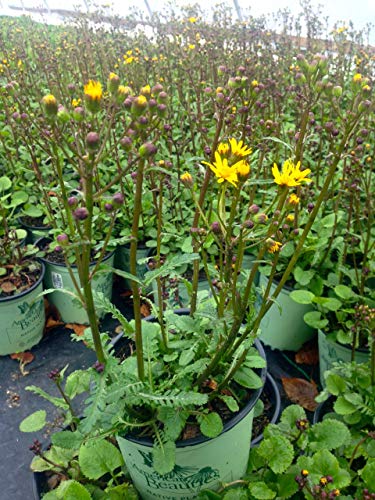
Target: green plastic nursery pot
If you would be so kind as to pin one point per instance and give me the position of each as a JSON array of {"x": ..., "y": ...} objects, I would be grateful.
[
  {"x": 22, "y": 319},
  {"x": 283, "y": 326},
  {"x": 122, "y": 261},
  {"x": 201, "y": 462},
  {"x": 34, "y": 233},
  {"x": 70, "y": 309},
  {"x": 332, "y": 352}
]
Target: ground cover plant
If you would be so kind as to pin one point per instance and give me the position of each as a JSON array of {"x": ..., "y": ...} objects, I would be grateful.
[{"x": 222, "y": 140}]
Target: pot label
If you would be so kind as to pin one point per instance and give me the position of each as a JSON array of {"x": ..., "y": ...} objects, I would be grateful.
[{"x": 57, "y": 280}]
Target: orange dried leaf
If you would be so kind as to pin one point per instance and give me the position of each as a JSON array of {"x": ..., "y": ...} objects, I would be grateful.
[
  {"x": 78, "y": 329},
  {"x": 23, "y": 357},
  {"x": 52, "y": 323},
  {"x": 301, "y": 392},
  {"x": 308, "y": 354},
  {"x": 145, "y": 310}
]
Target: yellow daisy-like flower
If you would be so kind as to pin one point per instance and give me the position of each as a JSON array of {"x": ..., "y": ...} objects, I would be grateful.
[
  {"x": 293, "y": 199},
  {"x": 255, "y": 83},
  {"x": 243, "y": 168},
  {"x": 239, "y": 148},
  {"x": 273, "y": 246},
  {"x": 50, "y": 105},
  {"x": 93, "y": 90},
  {"x": 357, "y": 78},
  {"x": 223, "y": 148},
  {"x": 290, "y": 175},
  {"x": 192, "y": 20},
  {"x": 76, "y": 102},
  {"x": 290, "y": 218},
  {"x": 222, "y": 170}
]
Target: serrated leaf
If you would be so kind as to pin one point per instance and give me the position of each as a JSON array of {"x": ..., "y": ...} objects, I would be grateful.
[
  {"x": 123, "y": 491},
  {"x": 98, "y": 458},
  {"x": 368, "y": 475},
  {"x": 211, "y": 424},
  {"x": 34, "y": 422},
  {"x": 59, "y": 402},
  {"x": 302, "y": 296},
  {"x": 343, "y": 407},
  {"x": 174, "y": 421},
  {"x": 278, "y": 451},
  {"x": 67, "y": 439},
  {"x": 77, "y": 382},
  {"x": 335, "y": 384},
  {"x": 322, "y": 436},
  {"x": 236, "y": 494},
  {"x": 68, "y": 490},
  {"x": 261, "y": 491},
  {"x": 164, "y": 457},
  {"x": 287, "y": 485},
  {"x": 248, "y": 378}
]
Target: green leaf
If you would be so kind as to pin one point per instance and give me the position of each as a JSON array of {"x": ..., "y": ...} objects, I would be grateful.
[
  {"x": 314, "y": 319},
  {"x": 67, "y": 439},
  {"x": 303, "y": 277},
  {"x": 174, "y": 420},
  {"x": 211, "y": 424},
  {"x": 248, "y": 378},
  {"x": 123, "y": 491},
  {"x": 302, "y": 296},
  {"x": 261, "y": 491},
  {"x": 329, "y": 303},
  {"x": 344, "y": 292},
  {"x": 58, "y": 402},
  {"x": 368, "y": 475},
  {"x": 99, "y": 457},
  {"x": 34, "y": 422},
  {"x": 278, "y": 451},
  {"x": 164, "y": 457},
  {"x": 5, "y": 183},
  {"x": 77, "y": 382},
  {"x": 68, "y": 490},
  {"x": 322, "y": 436},
  {"x": 18, "y": 198},
  {"x": 343, "y": 407},
  {"x": 230, "y": 402},
  {"x": 236, "y": 494},
  {"x": 335, "y": 384},
  {"x": 287, "y": 485}
]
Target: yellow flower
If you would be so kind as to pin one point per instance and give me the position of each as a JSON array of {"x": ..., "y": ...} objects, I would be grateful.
[
  {"x": 290, "y": 175},
  {"x": 50, "y": 105},
  {"x": 293, "y": 199},
  {"x": 187, "y": 179},
  {"x": 255, "y": 83},
  {"x": 239, "y": 148},
  {"x": 192, "y": 20},
  {"x": 223, "y": 148},
  {"x": 273, "y": 246},
  {"x": 290, "y": 218},
  {"x": 243, "y": 168},
  {"x": 76, "y": 102},
  {"x": 222, "y": 170},
  {"x": 93, "y": 90},
  {"x": 191, "y": 46},
  {"x": 357, "y": 78}
]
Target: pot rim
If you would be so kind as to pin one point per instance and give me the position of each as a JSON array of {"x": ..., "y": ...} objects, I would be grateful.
[
  {"x": 36, "y": 228},
  {"x": 29, "y": 290},
  {"x": 42, "y": 239},
  {"x": 363, "y": 350},
  {"x": 270, "y": 381},
  {"x": 146, "y": 441}
]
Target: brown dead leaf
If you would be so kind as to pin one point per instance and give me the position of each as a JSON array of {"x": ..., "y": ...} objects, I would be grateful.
[
  {"x": 301, "y": 392},
  {"x": 24, "y": 359},
  {"x": 78, "y": 329},
  {"x": 7, "y": 287},
  {"x": 145, "y": 310},
  {"x": 52, "y": 323},
  {"x": 308, "y": 354}
]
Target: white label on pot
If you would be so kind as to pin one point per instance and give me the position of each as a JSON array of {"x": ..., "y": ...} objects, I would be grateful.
[{"x": 57, "y": 281}]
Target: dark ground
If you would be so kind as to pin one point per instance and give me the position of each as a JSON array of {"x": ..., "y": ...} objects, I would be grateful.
[{"x": 55, "y": 351}]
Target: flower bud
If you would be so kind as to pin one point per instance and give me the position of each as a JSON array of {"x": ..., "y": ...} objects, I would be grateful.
[
  {"x": 118, "y": 199},
  {"x": 113, "y": 83},
  {"x": 126, "y": 143},
  {"x": 215, "y": 227},
  {"x": 253, "y": 209},
  {"x": 92, "y": 141},
  {"x": 161, "y": 110},
  {"x": 50, "y": 105},
  {"x": 187, "y": 179},
  {"x": 139, "y": 105},
  {"x": 337, "y": 91},
  {"x": 62, "y": 238},
  {"x": 81, "y": 213},
  {"x": 62, "y": 114},
  {"x": 108, "y": 207},
  {"x": 147, "y": 149},
  {"x": 78, "y": 114},
  {"x": 156, "y": 89},
  {"x": 261, "y": 218}
]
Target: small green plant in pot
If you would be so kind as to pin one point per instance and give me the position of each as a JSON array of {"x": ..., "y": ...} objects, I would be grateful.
[{"x": 22, "y": 311}]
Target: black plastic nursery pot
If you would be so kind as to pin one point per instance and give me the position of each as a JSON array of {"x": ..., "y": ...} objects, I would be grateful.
[{"x": 272, "y": 393}]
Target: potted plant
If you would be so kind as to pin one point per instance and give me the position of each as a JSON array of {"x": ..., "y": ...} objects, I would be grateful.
[
  {"x": 192, "y": 380},
  {"x": 21, "y": 307}
]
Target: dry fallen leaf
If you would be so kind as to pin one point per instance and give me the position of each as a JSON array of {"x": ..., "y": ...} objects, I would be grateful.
[
  {"x": 301, "y": 392},
  {"x": 308, "y": 354},
  {"x": 78, "y": 329},
  {"x": 52, "y": 323},
  {"x": 24, "y": 359},
  {"x": 145, "y": 310}
]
